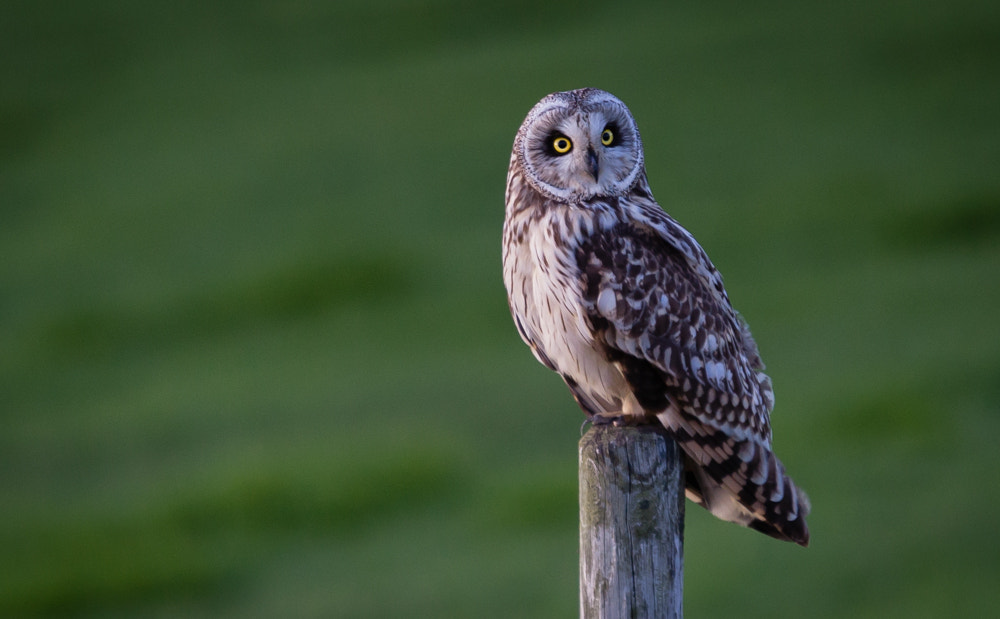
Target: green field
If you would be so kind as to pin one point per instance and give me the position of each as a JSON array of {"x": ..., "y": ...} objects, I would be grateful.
[{"x": 255, "y": 354}]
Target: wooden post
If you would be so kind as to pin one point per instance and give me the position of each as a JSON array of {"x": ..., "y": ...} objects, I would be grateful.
[{"x": 631, "y": 523}]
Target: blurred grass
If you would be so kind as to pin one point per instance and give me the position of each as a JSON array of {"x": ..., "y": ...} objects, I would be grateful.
[{"x": 255, "y": 357}]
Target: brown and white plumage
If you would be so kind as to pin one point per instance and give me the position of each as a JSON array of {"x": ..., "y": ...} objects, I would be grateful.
[{"x": 614, "y": 295}]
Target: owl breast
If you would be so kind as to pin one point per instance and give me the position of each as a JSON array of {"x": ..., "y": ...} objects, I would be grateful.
[{"x": 545, "y": 290}]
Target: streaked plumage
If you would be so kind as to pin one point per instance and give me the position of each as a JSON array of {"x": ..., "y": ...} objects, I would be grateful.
[{"x": 614, "y": 295}]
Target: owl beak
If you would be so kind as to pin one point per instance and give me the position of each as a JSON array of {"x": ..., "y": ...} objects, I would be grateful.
[{"x": 592, "y": 164}]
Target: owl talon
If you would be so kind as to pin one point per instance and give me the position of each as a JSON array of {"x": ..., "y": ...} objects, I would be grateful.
[{"x": 618, "y": 420}]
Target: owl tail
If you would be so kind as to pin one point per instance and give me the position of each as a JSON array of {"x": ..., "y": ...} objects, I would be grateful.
[{"x": 742, "y": 481}]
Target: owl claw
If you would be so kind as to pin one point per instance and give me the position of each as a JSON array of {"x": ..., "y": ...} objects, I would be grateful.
[{"x": 618, "y": 420}]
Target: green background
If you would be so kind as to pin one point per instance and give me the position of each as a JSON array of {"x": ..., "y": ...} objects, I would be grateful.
[{"x": 255, "y": 354}]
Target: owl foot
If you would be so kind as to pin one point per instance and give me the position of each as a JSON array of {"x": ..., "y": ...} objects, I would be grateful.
[{"x": 618, "y": 420}]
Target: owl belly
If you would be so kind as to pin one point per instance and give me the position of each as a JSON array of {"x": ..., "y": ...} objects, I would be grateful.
[
  {"x": 598, "y": 384},
  {"x": 570, "y": 346},
  {"x": 563, "y": 334}
]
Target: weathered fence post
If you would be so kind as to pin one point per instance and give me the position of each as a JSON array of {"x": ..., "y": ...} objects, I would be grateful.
[{"x": 631, "y": 523}]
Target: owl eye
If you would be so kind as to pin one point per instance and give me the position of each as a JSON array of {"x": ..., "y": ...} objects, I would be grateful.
[
  {"x": 561, "y": 144},
  {"x": 607, "y": 136}
]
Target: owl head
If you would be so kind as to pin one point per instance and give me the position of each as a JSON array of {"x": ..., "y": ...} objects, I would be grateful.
[{"x": 579, "y": 144}]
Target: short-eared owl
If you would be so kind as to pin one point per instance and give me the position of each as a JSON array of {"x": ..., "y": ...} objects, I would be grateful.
[{"x": 614, "y": 295}]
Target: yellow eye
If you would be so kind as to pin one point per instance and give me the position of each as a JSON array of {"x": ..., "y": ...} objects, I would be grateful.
[
  {"x": 607, "y": 137},
  {"x": 562, "y": 145}
]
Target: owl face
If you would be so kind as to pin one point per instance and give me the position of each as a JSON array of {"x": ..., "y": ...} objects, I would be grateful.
[{"x": 579, "y": 144}]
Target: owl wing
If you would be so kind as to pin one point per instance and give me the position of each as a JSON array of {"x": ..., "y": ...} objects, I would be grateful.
[
  {"x": 657, "y": 305},
  {"x": 646, "y": 302}
]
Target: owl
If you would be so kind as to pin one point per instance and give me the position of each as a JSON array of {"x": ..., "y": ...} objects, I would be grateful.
[{"x": 621, "y": 301}]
